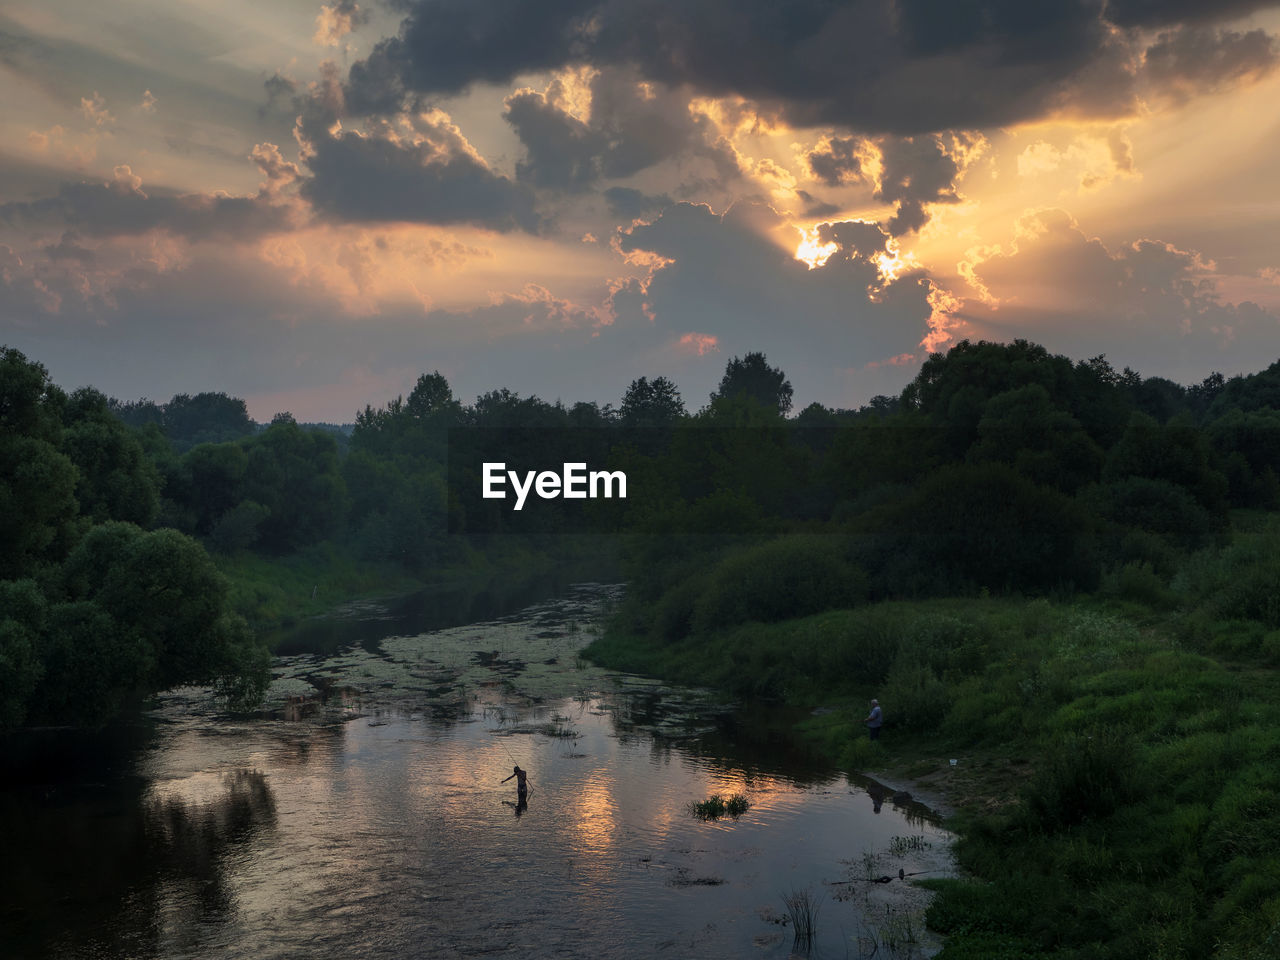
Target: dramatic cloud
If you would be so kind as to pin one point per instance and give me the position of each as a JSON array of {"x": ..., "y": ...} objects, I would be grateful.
[
  {"x": 631, "y": 125},
  {"x": 907, "y": 171},
  {"x": 727, "y": 277},
  {"x": 838, "y": 160},
  {"x": 631, "y": 203},
  {"x": 1058, "y": 286},
  {"x": 420, "y": 170},
  {"x": 930, "y": 66},
  {"x": 1193, "y": 60},
  {"x": 556, "y": 198},
  {"x": 916, "y": 171}
]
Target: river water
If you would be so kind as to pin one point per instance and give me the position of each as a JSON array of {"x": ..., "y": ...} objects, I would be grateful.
[{"x": 362, "y": 816}]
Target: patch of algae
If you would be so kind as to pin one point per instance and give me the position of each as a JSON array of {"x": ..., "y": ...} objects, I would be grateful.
[{"x": 532, "y": 655}]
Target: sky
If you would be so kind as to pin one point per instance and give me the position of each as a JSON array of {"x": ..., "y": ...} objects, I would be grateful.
[{"x": 310, "y": 204}]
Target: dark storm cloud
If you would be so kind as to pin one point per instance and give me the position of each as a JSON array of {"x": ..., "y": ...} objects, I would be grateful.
[
  {"x": 416, "y": 167},
  {"x": 838, "y": 160},
  {"x": 561, "y": 151},
  {"x": 887, "y": 66},
  {"x": 857, "y": 239},
  {"x": 1162, "y": 13},
  {"x": 1192, "y": 60},
  {"x": 373, "y": 178},
  {"x": 631, "y": 128},
  {"x": 446, "y": 45},
  {"x": 917, "y": 170},
  {"x": 630, "y": 203}
]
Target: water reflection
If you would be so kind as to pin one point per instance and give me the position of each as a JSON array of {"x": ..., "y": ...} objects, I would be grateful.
[
  {"x": 369, "y": 828},
  {"x": 126, "y": 868}
]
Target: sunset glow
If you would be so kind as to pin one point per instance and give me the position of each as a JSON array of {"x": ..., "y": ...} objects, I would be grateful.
[{"x": 327, "y": 195}]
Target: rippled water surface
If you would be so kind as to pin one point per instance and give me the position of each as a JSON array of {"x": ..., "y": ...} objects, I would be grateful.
[{"x": 363, "y": 816}]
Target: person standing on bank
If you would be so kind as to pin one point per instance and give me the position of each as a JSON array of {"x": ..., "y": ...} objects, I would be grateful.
[{"x": 874, "y": 720}]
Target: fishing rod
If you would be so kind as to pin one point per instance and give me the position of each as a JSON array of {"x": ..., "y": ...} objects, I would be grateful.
[{"x": 902, "y": 875}]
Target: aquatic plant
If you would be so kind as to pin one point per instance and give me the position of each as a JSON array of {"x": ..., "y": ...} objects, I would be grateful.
[
  {"x": 901, "y": 846},
  {"x": 898, "y": 932},
  {"x": 716, "y": 806},
  {"x": 870, "y": 864},
  {"x": 802, "y": 910}
]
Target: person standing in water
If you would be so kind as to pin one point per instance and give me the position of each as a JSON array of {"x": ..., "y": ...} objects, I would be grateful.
[{"x": 522, "y": 785}]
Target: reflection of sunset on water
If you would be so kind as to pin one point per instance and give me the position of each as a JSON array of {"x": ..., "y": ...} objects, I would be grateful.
[{"x": 389, "y": 833}]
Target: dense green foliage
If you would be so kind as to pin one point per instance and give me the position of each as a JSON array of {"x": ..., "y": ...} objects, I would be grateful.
[
  {"x": 95, "y": 610},
  {"x": 1150, "y": 824},
  {"x": 905, "y": 561}
]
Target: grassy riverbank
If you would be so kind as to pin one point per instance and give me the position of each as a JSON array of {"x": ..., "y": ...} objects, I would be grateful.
[
  {"x": 274, "y": 593},
  {"x": 1117, "y": 779}
]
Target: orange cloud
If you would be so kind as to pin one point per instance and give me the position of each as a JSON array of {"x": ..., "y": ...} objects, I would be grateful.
[{"x": 698, "y": 344}]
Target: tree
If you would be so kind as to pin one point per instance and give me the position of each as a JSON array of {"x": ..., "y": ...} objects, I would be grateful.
[
  {"x": 751, "y": 376},
  {"x": 117, "y": 481},
  {"x": 22, "y": 615},
  {"x": 971, "y": 526},
  {"x": 430, "y": 396},
  {"x": 1176, "y": 451},
  {"x": 160, "y": 590},
  {"x": 215, "y": 480},
  {"x": 30, "y": 403},
  {"x": 952, "y": 389},
  {"x": 206, "y": 418},
  {"x": 651, "y": 403},
  {"x": 294, "y": 474},
  {"x": 37, "y": 504},
  {"x": 1048, "y": 446}
]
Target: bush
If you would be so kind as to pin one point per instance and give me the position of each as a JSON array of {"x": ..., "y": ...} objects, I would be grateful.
[
  {"x": 779, "y": 580},
  {"x": 917, "y": 698},
  {"x": 237, "y": 529},
  {"x": 673, "y": 615},
  {"x": 1081, "y": 778},
  {"x": 1156, "y": 506},
  {"x": 1137, "y": 582}
]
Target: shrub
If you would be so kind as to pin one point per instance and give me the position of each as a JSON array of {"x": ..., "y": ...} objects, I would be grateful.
[
  {"x": 917, "y": 698},
  {"x": 1137, "y": 582},
  {"x": 1081, "y": 777},
  {"x": 790, "y": 577}
]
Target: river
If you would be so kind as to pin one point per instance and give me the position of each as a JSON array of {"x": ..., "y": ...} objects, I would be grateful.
[{"x": 362, "y": 815}]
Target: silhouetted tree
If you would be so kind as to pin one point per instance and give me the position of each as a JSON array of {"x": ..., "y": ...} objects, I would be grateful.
[
  {"x": 651, "y": 403},
  {"x": 752, "y": 376}
]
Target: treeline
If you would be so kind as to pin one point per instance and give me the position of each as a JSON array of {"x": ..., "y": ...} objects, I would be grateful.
[{"x": 1000, "y": 468}]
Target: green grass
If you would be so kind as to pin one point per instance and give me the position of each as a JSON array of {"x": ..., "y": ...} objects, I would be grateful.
[
  {"x": 274, "y": 592},
  {"x": 1147, "y": 820}
]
